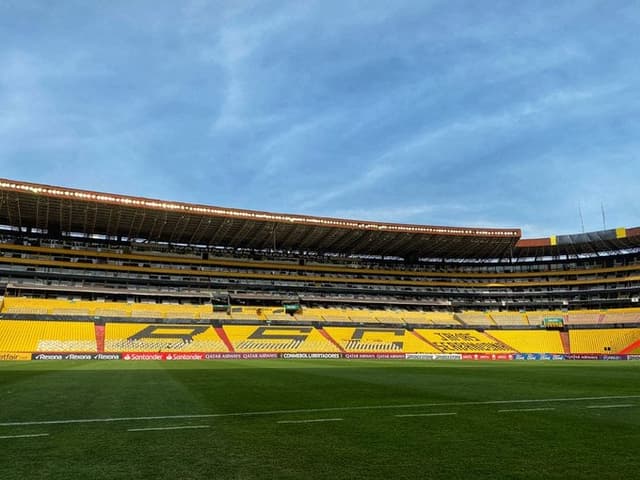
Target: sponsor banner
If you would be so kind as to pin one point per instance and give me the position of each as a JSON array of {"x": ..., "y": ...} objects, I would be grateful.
[
  {"x": 222, "y": 356},
  {"x": 537, "y": 356},
  {"x": 183, "y": 356},
  {"x": 142, "y": 356},
  {"x": 106, "y": 356},
  {"x": 613, "y": 357},
  {"x": 172, "y": 356},
  {"x": 375, "y": 356},
  {"x": 169, "y": 356},
  {"x": 257, "y": 355},
  {"x": 633, "y": 357},
  {"x": 310, "y": 355},
  {"x": 581, "y": 356},
  {"x": 433, "y": 356},
  {"x": 14, "y": 356},
  {"x": 74, "y": 356},
  {"x": 487, "y": 356},
  {"x": 594, "y": 356},
  {"x": 47, "y": 356}
]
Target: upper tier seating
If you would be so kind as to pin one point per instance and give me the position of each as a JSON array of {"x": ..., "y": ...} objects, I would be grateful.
[
  {"x": 475, "y": 319},
  {"x": 509, "y": 318},
  {"x": 36, "y": 306}
]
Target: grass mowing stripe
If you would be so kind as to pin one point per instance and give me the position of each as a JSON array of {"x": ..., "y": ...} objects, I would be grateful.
[
  {"x": 541, "y": 409},
  {"x": 177, "y": 427},
  {"x": 31, "y": 435},
  {"x": 611, "y": 406},
  {"x": 313, "y": 410},
  {"x": 437, "y": 414},
  {"x": 312, "y": 420},
  {"x": 370, "y": 444}
]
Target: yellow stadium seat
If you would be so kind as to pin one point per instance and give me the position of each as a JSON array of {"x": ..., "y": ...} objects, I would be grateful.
[
  {"x": 530, "y": 341},
  {"x": 280, "y": 339},
  {"x": 136, "y": 337},
  {"x": 606, "y": 340},
  {"x": 463, "y": 341},
  {"x": 373, "y": 339},
  {"x": 46, "y": 336}
]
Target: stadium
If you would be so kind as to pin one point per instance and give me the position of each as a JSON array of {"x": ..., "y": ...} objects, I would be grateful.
[{"x": 216, "y": 342}]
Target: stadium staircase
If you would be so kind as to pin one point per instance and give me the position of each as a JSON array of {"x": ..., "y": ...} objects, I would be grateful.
[
  {"x": 326, "y": 335},
  {"x": 508, "y": 347},
  {"x": 99, "y": 329},
  {"x": 223, "y": 336},
  {"x": 416, "y": 334},
  {"x": 631, "y": 348},
  {"x": 566, "y": 343}
]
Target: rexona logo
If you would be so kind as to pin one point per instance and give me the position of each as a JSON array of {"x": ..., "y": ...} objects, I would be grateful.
[
  {"x": 106, "y": 356},
  {"x": 47, "y": 356},
  {"x": 77, "y": 356}
]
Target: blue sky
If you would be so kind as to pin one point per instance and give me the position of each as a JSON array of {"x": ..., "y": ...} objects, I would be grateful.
[{"x": 478, "y": 113}]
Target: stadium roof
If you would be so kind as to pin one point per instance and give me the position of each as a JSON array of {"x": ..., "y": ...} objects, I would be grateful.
[{"x": 57, "y": 210}]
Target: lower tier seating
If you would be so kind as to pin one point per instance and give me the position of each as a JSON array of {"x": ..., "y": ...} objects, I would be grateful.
[
  {"x": 46, "y": 336},
  {"x": 135, "y": 337},
  {"x": 606, "y": 340},
  {"x": 367, "y": 339},
  {"x": 277, "y": 339},
  {"x": 114, "y": 337},
  {"x": 463, "y": 341},
  {"x": 530, "y": 341}
]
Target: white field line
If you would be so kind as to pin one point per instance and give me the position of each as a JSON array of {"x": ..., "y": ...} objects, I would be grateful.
[
  {"x": 312, "y": 410},
  {"x": 541, "y": 409},
  {"x": 437, "y": 414},
  {"x": 612, "y": 406},
  {"x": 313, "y": 420},
  {"x": 178, "y": 427},
  {"x": 32, "y": 435}
]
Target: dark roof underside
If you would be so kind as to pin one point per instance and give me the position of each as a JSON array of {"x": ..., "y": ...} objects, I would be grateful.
[{"x": 58, "y": 211}]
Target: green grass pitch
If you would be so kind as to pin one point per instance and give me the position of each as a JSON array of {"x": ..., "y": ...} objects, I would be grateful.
[{"x": 319, "y": 419}]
